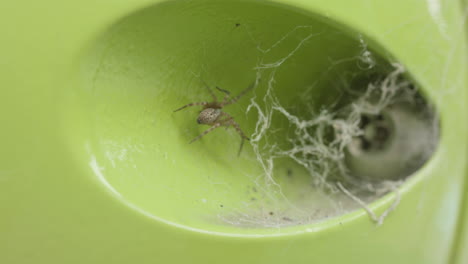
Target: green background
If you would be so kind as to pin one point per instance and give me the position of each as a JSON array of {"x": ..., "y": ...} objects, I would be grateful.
[{"x": 78, "y": 81}]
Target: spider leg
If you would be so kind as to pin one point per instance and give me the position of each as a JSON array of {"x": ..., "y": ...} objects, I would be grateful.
[
  {"x": 235, "y": 99},
  {"x": 241, "y": 145},
  {"x": 191, "y": 104},
  {"x": 230, "y": 122},
  {"x": 215, "y": 99},
  {"x": 206, "y": 132},
  {"x": 226, "y": 96},
  {"x": 241, "y": 133}
]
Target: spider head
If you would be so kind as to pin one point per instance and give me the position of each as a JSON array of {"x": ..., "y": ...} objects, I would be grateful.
[{"x": 208, "y": 116}]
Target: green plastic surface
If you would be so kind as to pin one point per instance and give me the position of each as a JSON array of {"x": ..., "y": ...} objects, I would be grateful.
[{"x": 96, "y": 168}]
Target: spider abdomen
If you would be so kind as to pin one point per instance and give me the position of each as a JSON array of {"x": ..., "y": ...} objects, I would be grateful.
[{"x": 208, "y": 116}]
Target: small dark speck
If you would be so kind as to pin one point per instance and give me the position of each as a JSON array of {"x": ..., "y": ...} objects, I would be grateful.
[
  {"x": 287, "y": 219},
  {"x": 253, "y": 199},
  {"x": 254, "y": 189},
  {"x": 237, "y": 24},
  {"x": 221, "y": 205},
  {"x": 289, "y": 172},
  {"x": 271, "y": 213},
  {"x": 365, "y": 120},
  {"x": 365, "y": 144}
]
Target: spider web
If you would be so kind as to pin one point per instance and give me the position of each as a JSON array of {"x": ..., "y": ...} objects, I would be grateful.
[{"x": 320, "y": 140}]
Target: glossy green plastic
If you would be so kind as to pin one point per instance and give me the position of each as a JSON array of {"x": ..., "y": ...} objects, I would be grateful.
[{"x": 96, "y": 168}]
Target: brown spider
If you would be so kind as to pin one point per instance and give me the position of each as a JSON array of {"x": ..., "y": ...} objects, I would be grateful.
[{"x": 211, "y": 113}]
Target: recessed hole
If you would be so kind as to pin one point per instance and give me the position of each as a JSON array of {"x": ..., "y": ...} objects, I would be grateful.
[{"x": 308, "y": 76}]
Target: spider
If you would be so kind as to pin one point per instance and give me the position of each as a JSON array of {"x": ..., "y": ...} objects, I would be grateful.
[{"x": 211, "y": 113}]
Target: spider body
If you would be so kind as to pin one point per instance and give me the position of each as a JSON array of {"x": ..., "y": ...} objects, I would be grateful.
[
  {"x": 209, "y": 116},
  {"x": 212, "y": 114}
]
